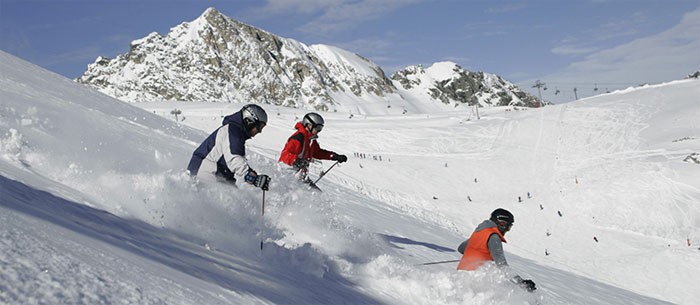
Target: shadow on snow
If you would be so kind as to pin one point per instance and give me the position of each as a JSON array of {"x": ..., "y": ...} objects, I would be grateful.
[
  {"x": 274, "y": 283},
  {"x": 393, "y": 240}
]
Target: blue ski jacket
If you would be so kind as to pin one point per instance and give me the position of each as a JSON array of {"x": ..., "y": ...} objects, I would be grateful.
[{"x": 225, "y": 146}]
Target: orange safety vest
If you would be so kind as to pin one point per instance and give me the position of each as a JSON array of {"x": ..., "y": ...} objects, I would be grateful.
[{"x": 477, "y": 251}]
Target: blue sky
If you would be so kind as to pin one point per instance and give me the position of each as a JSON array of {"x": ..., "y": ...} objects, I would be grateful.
[{"x": 604, "y": 44}]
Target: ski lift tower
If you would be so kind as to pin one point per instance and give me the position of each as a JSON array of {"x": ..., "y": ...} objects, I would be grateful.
[{"x": 538, "y": 85}]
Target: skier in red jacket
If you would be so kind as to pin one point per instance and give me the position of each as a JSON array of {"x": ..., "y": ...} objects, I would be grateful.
[{"x": 302, "y": 147}]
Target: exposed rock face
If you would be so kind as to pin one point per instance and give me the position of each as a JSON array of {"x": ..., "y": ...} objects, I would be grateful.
[
  {"x": 449, "y": 83},
  {"x": 217, "y": 59}
]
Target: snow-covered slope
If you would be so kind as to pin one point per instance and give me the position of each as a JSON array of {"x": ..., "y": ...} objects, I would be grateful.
[
  {"x": 96, "y": 207},
  {"x": 217, "y": 59}
]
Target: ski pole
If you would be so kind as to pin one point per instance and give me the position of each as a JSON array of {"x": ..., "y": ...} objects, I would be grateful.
[
  {"x": 326, "y": 172},
  {"x": 440, "y": 262},
  {"x": 262, "y": 229}
]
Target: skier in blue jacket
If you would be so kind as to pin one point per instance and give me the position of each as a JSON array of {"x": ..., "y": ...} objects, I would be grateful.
[{"x": 226, "y": 147}]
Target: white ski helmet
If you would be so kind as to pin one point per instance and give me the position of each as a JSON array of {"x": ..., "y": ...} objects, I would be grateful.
[{"x": 253, "y": 116}]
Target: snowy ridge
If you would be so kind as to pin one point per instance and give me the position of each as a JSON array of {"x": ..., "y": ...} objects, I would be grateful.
[
  {"x": 451, "y": 85},
  {"x": 217, "y": 59},
  {"x": 96, "y": 208}
]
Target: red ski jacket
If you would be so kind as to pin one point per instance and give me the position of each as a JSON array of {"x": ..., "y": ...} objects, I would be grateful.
[{"x": 302, "y": 144}]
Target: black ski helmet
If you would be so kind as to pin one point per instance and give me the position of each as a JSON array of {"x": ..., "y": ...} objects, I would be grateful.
[
  {"x": 253, "y": 116},
  {"x": 315, "y": 119},
  {"x": 502, "y": 218}
]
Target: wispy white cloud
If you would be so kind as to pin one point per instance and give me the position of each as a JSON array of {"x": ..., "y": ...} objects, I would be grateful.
[
  {"x": 368, "y": 46},
  {"x": 572, "y": 50},
  {"x": 352, "y": 13},
  {"x": 621, "y": 27},
  {"x": 506, "y": 8},
  {"x": 335, "y": 15},
  {"x": 666, "y": 56},
  {"x": 486, "y": 29},
  {"x": 595, "y": 39},
  {"x": 377, "y": 49},
  {"x": 300, "y": 6}
]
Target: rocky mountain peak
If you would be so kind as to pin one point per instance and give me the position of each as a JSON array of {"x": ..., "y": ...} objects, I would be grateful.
[
  {"x": 449, "y": 83},
  {"x": 218, "y": 59}
]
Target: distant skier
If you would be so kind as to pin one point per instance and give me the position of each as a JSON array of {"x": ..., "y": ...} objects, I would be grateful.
[
  {"x": 486, "y": 244},
  {"x": 302, "y": 148},
  {"x": 226, "y": 147}
]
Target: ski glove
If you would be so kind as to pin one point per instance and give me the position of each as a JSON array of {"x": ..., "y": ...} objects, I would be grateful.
[
  {"x": 463, "y": 246},
  {"x": 250, "y": 176},
  {"x": 263, "y": 182},
  {"x": 339, "y": 158},
  {"x": 528, "y": 285},
  {"x": 301, "y": 163}
]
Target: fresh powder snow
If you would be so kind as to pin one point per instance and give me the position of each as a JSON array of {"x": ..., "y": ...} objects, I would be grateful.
[{"x": 96, "y": 207}]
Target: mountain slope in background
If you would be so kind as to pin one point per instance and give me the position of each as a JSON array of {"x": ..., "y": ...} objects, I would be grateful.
[
  {"x": 216, "y": 58},
  {"x": 450, "y": 84},
  {"x": 96, "y": 207}
]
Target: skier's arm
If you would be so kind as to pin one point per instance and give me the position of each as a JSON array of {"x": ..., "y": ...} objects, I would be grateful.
[
  {"x": 291, "y": 151},
  {"x": 232, "y": 149},
  {"x": 496, "y": 248},
  {"x": 237, "y": 164},
  {"x": 320, "y": 153},
  {"x": 200, "y": 153},
  {"x": 463, "y": 246},
  {"x": 195, "y": 163}
]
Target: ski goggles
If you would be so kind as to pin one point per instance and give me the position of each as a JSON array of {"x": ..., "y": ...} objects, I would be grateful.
[
  {"x": 507, "y": 225},
  {"x": 260, "y": 126}
]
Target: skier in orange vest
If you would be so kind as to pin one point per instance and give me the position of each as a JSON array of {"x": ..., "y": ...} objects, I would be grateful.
[{"x": 486, "y": 244}]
